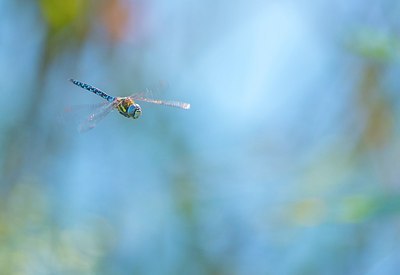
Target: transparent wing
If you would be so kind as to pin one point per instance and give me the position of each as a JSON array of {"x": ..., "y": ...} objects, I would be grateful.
[
  {"x": 83, "y": 108},
  {"x": 74, "y": 114},
  {"x": 93, "y": 119},
  {"x": 170, "y": 103}
]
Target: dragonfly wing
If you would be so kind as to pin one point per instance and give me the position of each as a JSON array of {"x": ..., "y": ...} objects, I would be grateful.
[
  {"x": 84, "y": 108},
  {"x": 93, "y": 119},
  {"x": 176, "y": 104},
  {"x": 74, "y": 114}
]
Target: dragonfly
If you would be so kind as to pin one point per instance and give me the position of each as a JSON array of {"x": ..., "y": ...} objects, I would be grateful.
[{"x": 126, "y": 106}]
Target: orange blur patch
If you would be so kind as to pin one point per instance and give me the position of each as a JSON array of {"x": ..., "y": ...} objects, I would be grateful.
[{"x": 115, "y": 15}]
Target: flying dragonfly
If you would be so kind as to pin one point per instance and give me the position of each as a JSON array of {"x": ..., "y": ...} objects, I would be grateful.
[{"x": 126, "y": 106}]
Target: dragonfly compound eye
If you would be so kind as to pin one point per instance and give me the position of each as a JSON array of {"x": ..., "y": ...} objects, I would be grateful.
[{"x": 134, "y": 111}]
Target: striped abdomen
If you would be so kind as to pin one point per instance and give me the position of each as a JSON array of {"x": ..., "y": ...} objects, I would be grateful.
[{"x": 93, "y": 90}]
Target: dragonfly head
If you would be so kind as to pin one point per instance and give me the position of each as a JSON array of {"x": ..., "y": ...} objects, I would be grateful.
[{"x": 134, "y": 111}]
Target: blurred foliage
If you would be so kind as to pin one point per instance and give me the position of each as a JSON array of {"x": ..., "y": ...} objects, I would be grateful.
[
  {"x": 376, "y": 108},
  {"x": 375, "y": 44},
  {"x": 60, "y": 14},
  {"x": 361, "y": 208},
  {"x": 32, "y": 241}
]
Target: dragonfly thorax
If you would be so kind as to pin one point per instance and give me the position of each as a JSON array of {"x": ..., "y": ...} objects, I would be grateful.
[{"x": 128, "y": 108}]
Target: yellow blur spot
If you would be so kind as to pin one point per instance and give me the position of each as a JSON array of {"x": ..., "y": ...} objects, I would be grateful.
[
  {"x": 60, "y": 13},
  {"x": 308, "y": 212}
]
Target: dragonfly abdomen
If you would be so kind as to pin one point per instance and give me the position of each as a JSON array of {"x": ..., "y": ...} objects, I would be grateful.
[{"x": 93, "y": 90}]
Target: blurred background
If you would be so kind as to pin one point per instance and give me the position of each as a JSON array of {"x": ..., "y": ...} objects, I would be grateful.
[{"x": 287, "y": 162}]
